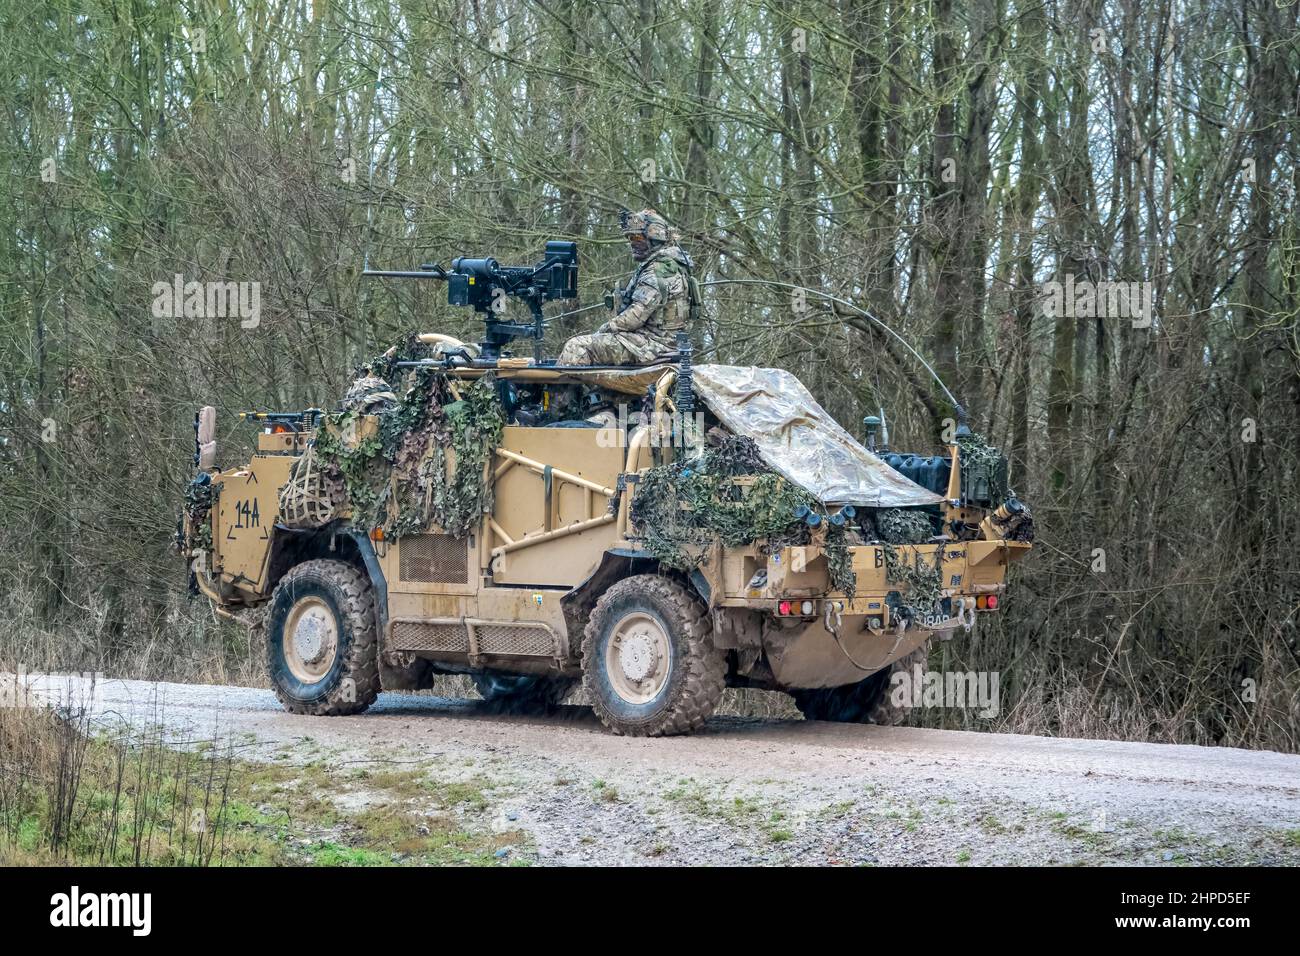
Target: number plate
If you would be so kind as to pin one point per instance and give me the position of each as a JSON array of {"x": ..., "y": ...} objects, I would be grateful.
[{"x": 940, "y": 620}]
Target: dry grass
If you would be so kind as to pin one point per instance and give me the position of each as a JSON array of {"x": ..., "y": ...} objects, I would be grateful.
[
  {"x": 69, "y": 795},
  {"x": 73, "y": 794},
  {"x": 1118, "y": 688},
  {"x": 182, "y": 641}
]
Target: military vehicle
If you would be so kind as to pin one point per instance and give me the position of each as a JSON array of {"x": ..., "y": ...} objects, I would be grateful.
[{"x": 657, "y": 533}]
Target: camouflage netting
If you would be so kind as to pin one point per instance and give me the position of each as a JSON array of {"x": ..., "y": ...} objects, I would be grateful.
[
  {"x": 839, "y": 561},
  {"x": 425, "y": 462},
  {"x": 901, "y": 526},
  {"x": 923, "y": 579},
  {"x": 727, "y": 493},
  {"x": 200, "y": 495},
  {"x": 977, "y": 453},
  {"x": 310, "y": 498},
  {"x": 384, "y": 366}
]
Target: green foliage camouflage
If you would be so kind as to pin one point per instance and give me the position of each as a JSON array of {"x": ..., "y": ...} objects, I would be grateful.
[
  {"x": 839, "y": 561},
  {"x": 384, "y": 366},
  {"x": 397, "y": 479},
  {"x": 903, "y": 526},
  {"x": 977, "y": 455},
  {"x": 923, "y": 580},
  {"x": 199, "y": 498},
  {"x": 476, "y": 424},
  {"x": 727, "y": 494}
]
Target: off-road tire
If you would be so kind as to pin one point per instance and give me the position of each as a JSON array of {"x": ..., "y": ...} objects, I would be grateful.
[
  {"x": 866, "y": 702},
  {"x": 523, "y": 694},
  {"x": 352, "y": 683},
  {"x": 696, "y": 671}
]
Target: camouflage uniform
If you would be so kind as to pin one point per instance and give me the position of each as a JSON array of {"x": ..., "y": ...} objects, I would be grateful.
[
  {"x": 369, "y": 395},
  {"x": 655, "y": 304}
]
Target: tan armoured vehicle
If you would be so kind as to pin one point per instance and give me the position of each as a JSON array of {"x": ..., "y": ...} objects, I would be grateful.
[{"x": 656, "y": 533}]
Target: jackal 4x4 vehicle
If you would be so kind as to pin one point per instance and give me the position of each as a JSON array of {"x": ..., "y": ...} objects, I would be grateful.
[{"x": 658, "y": 533}]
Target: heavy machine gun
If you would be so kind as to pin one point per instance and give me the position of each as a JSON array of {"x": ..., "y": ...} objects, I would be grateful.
[{"x": 485, "y": 285}]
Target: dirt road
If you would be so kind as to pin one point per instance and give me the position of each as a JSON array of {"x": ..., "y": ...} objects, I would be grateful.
[{"x": 752, "y": 791}]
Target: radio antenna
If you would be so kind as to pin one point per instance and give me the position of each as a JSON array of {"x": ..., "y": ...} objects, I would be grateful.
[
  {"x": 957, "y": 406},
  {"x": 372, "y": 146}
]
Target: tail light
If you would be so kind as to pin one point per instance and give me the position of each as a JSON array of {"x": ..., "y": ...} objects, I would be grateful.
[{"x": 796, "y": 608}]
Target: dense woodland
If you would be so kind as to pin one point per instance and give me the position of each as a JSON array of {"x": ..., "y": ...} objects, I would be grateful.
[{"x": 933, "y": 162}]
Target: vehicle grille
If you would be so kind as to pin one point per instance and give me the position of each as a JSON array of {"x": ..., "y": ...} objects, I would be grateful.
[
  {"x": 433, "y": 559},
  {"x": 493, "y": 640},
  {"x": 505, "y": 639},
  {"x": 422, "y": 636}
]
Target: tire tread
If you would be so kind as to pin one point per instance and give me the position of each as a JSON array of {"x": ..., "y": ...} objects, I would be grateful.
[
  {"x": 361, "y": 661},
  {"x": 705, "y": 679}
]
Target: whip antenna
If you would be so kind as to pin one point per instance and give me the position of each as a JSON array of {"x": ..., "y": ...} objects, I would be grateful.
[{"x": 957, "y": 406}]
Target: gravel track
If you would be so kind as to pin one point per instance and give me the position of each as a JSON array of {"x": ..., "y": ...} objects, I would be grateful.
[{"x": 746, "y": 791}]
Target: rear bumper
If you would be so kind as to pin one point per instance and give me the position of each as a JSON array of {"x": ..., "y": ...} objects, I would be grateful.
[{"x": 969, "y": 571}]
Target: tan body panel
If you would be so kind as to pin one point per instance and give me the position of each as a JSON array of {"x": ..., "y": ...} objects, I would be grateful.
[
  {"x": 244, "y": 519},
  {"x": 809, "y": 656},
  {"x": 551, "y": 524},
  {"x": 533, "y": 549}
]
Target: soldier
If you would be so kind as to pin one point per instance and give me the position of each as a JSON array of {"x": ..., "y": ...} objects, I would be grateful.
[{"x": 651, "y": 309}]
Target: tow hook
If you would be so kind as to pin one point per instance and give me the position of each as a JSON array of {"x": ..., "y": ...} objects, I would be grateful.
[
  {"x": 835, "y": 609},
  {"x": 966, "y": 614}
]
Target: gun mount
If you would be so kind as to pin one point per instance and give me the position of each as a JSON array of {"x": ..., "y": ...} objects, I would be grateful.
[{"x": 485, "y": 285}]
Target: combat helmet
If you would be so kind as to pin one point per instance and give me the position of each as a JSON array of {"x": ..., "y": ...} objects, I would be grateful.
[{"x": 646, "y": 223}]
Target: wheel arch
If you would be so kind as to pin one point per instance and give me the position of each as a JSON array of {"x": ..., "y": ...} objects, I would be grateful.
[
  {"x": 342, "y": 590},
  {"x": 616, "y": 564},
  {"x": 692, "y": 679},
  {"x": 335, "y": 542}
]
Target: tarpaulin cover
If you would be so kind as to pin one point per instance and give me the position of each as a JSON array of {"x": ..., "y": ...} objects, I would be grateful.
[{"x": 798, "y": 439}]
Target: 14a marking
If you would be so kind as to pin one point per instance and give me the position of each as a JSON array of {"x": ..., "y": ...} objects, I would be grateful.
[{"x": 247, "y": 514}]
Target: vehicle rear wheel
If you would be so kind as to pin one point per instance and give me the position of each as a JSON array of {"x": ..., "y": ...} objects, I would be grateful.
[
  {"x": 866, "y": 702},
  {"x": 321, "y": 640},
  {"x": 648, "y": 661},
  {"x": 510, "y": 693}
]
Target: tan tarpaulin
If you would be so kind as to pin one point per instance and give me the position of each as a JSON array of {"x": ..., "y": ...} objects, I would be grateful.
[{"x": 798, "y": 439}]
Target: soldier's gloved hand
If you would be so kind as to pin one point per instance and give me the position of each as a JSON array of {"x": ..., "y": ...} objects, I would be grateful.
[{"x": 602, "y": 329}]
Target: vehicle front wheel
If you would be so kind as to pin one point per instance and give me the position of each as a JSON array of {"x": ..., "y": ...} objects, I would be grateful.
[
  {"x": 648, "y": 662},
  {"x": 321, "y": 640}
]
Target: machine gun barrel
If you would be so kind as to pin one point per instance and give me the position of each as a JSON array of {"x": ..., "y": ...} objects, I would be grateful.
[
  {"x": 428, "y": 270},
  {"x": 304, "y": 420}
]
